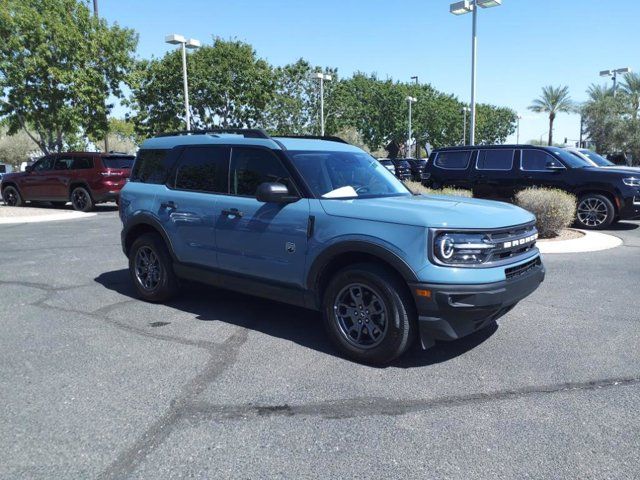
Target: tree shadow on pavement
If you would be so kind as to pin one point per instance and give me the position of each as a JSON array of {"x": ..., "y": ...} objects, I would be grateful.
[{"x": 298, "y": 325}]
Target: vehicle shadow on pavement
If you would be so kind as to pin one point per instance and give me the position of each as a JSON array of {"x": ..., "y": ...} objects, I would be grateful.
[
  {"x": 301, "y": 326},
  {"x": 621, "y": 227}
]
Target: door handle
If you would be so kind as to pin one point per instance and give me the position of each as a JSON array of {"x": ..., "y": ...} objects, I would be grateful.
[
  {"x": 169, "y": 205},
  {"x": 232, "y": 212}
]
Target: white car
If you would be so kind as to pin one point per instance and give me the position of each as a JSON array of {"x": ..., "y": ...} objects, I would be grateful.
[{"x": 597, "y": 160}]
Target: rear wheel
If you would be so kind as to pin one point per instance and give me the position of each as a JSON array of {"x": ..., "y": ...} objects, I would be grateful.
[
  {"x": 595, "y": 211},
  {"x": 81, "y": 199},
  {"x": 368, "y": 314},
  {"x": 151, "y": 269},
  {"x": 12, "y": 197}
]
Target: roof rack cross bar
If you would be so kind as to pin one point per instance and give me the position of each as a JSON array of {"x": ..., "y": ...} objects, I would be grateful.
[{"x": 246, "y": 132}]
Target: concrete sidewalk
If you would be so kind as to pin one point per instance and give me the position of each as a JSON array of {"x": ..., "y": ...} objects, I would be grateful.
[{"x": 31, "y": 215}]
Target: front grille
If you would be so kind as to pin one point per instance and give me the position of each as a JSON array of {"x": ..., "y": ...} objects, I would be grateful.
[
  {"x": 520, "y": 270},
  {"x": 513, "y": 242}
]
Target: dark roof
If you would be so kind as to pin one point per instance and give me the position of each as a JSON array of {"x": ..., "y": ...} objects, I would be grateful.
[{"x": 491, "y": 147}]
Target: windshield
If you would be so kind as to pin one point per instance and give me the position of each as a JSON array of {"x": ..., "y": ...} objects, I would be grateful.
[
  {"x": 118, "y": 162},
  {"x": 599, "y": 160},
  {"x": 570, "y": 159},
  {"x": 346, "y": 175}
]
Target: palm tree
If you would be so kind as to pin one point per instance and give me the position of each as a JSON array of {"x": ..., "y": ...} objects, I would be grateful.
[
  {"x": 598, "y": 92},
  {"x": 631, "y": 88},
  {"x": 552, "y": 101}
]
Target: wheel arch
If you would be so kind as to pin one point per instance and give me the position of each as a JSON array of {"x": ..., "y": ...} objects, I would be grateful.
[
  {"x": 79, "y": 183},
  {"x": 141, "y": 225},
  {"x": 347, "y": 253},
  {"x": 613, "y": 198}
]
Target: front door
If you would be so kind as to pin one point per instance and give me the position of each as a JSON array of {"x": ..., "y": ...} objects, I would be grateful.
[
  {"x": 188, "y": 205},
  {"x": 267, "y": 240},
  {"x": 33, "y": 183},
  {"x": 540, "y": 169}
]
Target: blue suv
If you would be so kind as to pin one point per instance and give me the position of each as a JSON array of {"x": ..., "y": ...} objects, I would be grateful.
[{"x": 319, "y": 223}]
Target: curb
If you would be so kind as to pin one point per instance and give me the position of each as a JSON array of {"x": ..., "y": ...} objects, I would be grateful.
[
  {"x": 590, "y": 242},
  {"x": 54, "y": 217}
]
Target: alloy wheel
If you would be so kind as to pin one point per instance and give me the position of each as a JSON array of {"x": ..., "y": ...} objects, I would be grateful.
[
  {"x": 80, "y": 199},
  {"x": 592, "y": 212},
  {"x": 147, "y": 268},
  {"x": 361, "y": 315},
  {"x": 10, "y": 197}
]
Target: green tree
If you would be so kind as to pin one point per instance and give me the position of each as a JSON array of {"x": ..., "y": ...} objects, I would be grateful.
[
  {"x": 494, "y": 124},
  {"x": 598, "y": 92},
  {"x": 553, "y": 101},
  {"x": 58, "y": 64},
  {"x": 630, "y": 87}
]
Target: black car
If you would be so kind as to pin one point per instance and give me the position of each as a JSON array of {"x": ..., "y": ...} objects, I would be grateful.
[
  {"x": 418, "y": 166},
  {"x": 499, "y": 171},
  {"x": 403, "y": 168}
]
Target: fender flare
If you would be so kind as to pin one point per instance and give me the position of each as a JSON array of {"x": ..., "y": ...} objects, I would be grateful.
[{"x": 149, "y": 221}]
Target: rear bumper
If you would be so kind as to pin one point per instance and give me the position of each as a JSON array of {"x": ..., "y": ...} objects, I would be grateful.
[{"x": 454, "y": 311}]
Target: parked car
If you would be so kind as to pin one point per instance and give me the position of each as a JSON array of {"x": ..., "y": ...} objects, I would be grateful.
[
  {"x": 403, "y": 168},
  {"x": 499, "y": 171},
  {"x": 388, "y": 164},
  {"x": 83, "y": 178},
  {"x": 597, "y": 160},
  {"x": 418, "y": 166},
  {"x": 321, "y": 224}
]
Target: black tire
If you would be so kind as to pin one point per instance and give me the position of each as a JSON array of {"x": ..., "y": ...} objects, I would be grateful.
[
  {"x": 58, "y": 204},
  {"x": 395, "y": 334},
  {"x": 595, "y": 212},
  {"x": 81, "y": 199},
  {"x": 12, "y": 197},
  {"x": 165, "y": 285}
]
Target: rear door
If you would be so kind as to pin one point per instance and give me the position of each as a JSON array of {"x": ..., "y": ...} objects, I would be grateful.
[
  {"x": 57, "y": 181},
  {"x": 267, "y": 240},
  {"x": 452, "y": 168},
  {"x": 188, "y": 204},
  {"x": 494, "y": 173}
]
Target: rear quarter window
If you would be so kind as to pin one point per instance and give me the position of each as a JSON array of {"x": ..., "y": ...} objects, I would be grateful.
[
  {"x": 454, "y": 160},
  {"x": 151, "y": 166}
]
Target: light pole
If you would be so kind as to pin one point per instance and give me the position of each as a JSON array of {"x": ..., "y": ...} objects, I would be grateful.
[
  {"x": 465, "y": 110},
  {"x": 415, "y": 79},
  {"x": 322, "y": 77},
  {"x": 175, "y": 39},
  {"x": 461, "y": 8},
  {"x": 410, "y": 101},
  {"x": 614, "y": 74},
  {"x": 518, "y": 130}
]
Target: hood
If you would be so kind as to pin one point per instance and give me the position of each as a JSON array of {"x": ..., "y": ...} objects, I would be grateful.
[
  {"x": 434, "y": 211},
  {"x": 622, "y": 168},
  {"x": 8, "y": 176}
]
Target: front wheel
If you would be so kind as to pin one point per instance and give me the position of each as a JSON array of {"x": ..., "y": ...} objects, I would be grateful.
[
  {"x": 595, "y": 211},
  {"x": 12, "y": 197},
  {"x": 369, "y": 314},
  {"x": 81, "y": 199}
]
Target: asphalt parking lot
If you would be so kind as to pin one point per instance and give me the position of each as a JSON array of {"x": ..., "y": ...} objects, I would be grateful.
[{"x": 96, "y": 384}]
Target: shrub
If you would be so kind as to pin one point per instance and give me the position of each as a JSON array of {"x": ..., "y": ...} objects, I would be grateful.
[
  {"x": 554, "y": 209},
  {"x": 417, "y": 187}
]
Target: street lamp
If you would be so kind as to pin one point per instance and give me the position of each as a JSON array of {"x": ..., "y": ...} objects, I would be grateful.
[
  {"x": 175, "y": 39},
  {"x": 465, "y": 110},
  {"x": 410, "y": 101},
  {"x": 415, "y": 79},
  {"x": 614, "y": 74},
  {"x": 461, "y": 8},
  {"x": 322, "y": 77},
  {"x": 518, "y": 130}
]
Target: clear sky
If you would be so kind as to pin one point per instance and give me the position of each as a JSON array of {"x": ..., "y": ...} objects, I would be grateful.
[{"x": 523, "y": 44}]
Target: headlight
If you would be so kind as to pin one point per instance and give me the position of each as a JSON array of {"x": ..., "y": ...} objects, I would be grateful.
[
  {"x": 475, "y": 248},
  {"x": 631, "y": 181}
]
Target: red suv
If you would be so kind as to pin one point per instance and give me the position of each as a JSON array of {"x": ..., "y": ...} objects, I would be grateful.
[{"x": 83, "y": 178}]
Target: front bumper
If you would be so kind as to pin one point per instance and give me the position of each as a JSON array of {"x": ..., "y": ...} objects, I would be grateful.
[
  {"x": 629, "y": 208},
  {"x": 454, "y": 311}
]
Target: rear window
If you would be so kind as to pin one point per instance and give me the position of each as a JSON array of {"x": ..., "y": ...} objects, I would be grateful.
[
  {"x": 117, "y": 162},
  {"x": 454, "y": 160},
  {"x": 151, "y": 166},
  {"x": 495, "y": 159}
]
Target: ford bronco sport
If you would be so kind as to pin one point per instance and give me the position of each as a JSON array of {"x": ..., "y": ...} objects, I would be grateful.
[{"x": 319, "y": 223}]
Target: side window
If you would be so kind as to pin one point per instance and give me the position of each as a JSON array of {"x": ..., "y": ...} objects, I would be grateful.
[
  {"x": 252, "y": 166},
  {"x": 203, "y": 169},
  {"x": 63, "y": 163},
  {"x": 151, "y": 166},
  {"x": 501, "y": 159},
  {"x": 82, "y": 163},
  {"x": 453, "y": 160},
  {"x": 44, "y": 164},
  {"x": 538, "y": 160}
]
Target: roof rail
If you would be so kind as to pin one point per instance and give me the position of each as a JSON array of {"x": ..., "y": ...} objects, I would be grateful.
[
  {"x": 246, "y": 132},
  {"x": 329, "y": 138}
]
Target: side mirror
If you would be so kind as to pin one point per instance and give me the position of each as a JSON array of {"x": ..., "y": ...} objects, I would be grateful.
[{"x": 274, "y": 193}]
